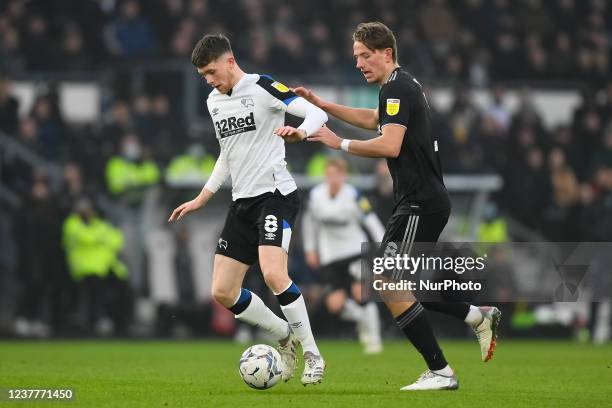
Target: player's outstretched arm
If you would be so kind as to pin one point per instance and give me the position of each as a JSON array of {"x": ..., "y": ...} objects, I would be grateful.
[
  {"x": 360, "y": 117},
  {"x": 388, "y": 144},
  {"x": 216, "y": 179}
]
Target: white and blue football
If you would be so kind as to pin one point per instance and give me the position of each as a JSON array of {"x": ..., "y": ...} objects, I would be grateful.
[{"x": 260, "y": 366}]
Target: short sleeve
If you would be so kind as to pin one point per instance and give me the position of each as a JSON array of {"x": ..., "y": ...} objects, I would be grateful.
[
  {"x": 394, "y": 106},
  {"x": 280, "y": 95}
]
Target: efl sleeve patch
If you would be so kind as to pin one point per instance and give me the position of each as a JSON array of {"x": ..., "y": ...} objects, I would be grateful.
[
  {"x": 395, "y": 102},
  {"x": 364, "y": 205},
  {"x": 280, "y": 87},
  {"x": 393, "y": 106}
]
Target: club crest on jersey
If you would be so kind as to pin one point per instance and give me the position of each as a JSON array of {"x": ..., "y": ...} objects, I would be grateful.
[
  {"x": 246, "y": 102},
  {"x": 280, "y": 87},
  {"x": 393, "y": 106}
]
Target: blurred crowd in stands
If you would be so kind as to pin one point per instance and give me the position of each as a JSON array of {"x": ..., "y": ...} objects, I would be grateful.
[
  {"x": 557, "y": 181},
  {"x": 470, "y": 40},
  {"x": 554, "y": 178}
]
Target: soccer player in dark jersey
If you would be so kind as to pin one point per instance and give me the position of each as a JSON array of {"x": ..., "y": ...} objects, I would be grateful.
[{"x": 422, "y": 204}]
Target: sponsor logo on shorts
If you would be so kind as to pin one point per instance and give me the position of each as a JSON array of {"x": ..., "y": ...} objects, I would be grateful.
[
  {"x": 270, "y": 235},
  {"x": 222, "y": 243}
]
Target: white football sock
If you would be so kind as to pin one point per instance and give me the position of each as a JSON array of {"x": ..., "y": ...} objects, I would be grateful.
[
  {"x": 297, "y": 316},
  {"x": 352, "y": 311},
  {"x": 474, "y": 316},
  {"x": 446, "y": 371},
  {"x": 373, "y": 322},
  {"x": 258, "y": 314}
]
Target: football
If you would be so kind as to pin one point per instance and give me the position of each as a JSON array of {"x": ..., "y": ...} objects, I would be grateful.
[{"x": 260, "y": 366}]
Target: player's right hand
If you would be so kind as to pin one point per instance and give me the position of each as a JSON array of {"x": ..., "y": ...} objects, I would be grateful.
[
  {"x": 184, "y": 209},
  {"x": 308, "y": 95}
]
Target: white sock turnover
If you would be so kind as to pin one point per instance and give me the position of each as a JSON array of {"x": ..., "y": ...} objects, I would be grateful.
[
  {"x": 258, "y": 314},
  {"x": 474, "y": 316}
]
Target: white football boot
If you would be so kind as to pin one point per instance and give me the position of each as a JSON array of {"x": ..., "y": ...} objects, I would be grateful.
[
  {"x": 287, "y": 348},
  {"x": 314, "y": 368},
  {"x": 487, "y": 331},
  {"x": 429, "y": 381}
]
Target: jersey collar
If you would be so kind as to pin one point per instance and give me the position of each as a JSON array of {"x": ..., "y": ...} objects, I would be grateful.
[
  {"x": 236, "y": 85},
  {"x": 392, "y": 75},
  {"x": 337, "y": 194}
]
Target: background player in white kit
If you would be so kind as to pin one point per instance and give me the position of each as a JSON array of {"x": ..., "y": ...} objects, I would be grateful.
[
  {"x": 248, "y": 111},
  {"x": 333, "y": 231}
]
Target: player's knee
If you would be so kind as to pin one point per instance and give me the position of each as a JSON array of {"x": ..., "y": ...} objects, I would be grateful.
[
  {"x": 275, "y": 279},
  {"x": 224, "y": 296},
  {"x": 335, "y": 301}
]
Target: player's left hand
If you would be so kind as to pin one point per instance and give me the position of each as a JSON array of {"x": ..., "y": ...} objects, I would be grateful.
[
  {"x": 327, "y": 137},
  {"x": 291, "y": 134}
]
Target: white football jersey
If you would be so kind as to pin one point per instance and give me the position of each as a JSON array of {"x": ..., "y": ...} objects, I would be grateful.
[
  {"x": 333, "y": 226},
  {"x": 244, "y": 121}
]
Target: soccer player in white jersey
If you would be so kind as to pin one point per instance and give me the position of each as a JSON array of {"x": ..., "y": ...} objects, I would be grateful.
[
  {"x": 333, "y": 231},
  {"x": 248, "y": 111}
]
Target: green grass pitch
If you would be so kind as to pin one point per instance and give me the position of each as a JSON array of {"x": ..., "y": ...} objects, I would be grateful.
[{"x": 204, "y": 374}]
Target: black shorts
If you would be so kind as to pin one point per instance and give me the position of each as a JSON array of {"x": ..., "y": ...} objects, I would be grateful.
[
  {"x": 266, "y": 219},
  {"x": 408, "y": 228},
  {"x": 403, "y": 230},
  {"x": 337, "y": 275}
]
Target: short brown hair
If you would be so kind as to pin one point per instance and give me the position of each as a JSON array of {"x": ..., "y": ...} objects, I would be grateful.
[
  {"x": 209, "y": 48},
  {"x": 376, "y": 36},
  {"x": 338, "y": 162}
]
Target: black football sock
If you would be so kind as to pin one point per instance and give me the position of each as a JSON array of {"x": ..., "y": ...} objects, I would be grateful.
[
  {"x": 455, "y": 309},
  {"x": 416, "y": 327}
]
